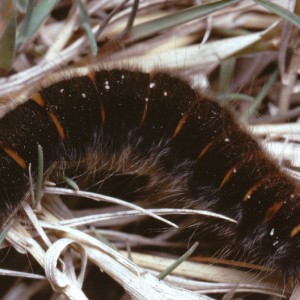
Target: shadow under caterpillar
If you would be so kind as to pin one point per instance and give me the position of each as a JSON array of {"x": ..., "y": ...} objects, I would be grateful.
[{"x": 187, "y": 140}]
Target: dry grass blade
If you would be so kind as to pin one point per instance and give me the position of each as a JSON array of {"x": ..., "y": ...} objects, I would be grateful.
[
  {"x": 141, "y": 212},
  {"x": 209, "y": 53},
  {"x": 138, "y": 285},
  {"x": 296, "y": 293},
  {"x": 51, "y": 262},
  {"x": 216, "y": 288},
  {"x": 204, "y": 272},
  {"x": 97, "y": 197},
  {"x": 20, "y": 274},
  {"x": 32, "y": 216},
  {"x": 25, "y": 244}
]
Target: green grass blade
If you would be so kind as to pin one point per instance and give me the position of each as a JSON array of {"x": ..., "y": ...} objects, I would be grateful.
[
  {"x": 280, "y": 11},
  {"x": 179, "y": 261},
  {"x": 40, "y": 175},
  {"x": 70, "y": 182},
  {"x": 8, "y": 44},
  {"x": 21, "y": 5},
  {"x": 4, "y": 231},
  {"x": 227, "y": 97},
  {"x": 260, "y": 97},
  {"x": 181, "y": 17},
  {"x": 33, "y": 19},
  {"x": 93, "y": 43},
  {"x": 226, "y": 74},
  {"x": 85, "y": 24},
  {"x": 23, "y": 27},
  {"x": 102, "y": 238}
]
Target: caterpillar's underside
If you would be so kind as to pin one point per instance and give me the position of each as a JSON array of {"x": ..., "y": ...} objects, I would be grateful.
[{"x": 164, "y": 141}]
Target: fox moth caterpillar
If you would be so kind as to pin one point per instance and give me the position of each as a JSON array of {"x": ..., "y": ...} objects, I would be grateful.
[{"x": 219, "y": 165}]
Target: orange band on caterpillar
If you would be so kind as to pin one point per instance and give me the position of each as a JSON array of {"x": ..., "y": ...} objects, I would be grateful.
[
  {"x": 16, "y": 157},
  {"x": 57, "y": 124}
]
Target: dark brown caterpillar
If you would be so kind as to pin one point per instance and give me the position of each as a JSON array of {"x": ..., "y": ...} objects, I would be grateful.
[{"x": 224, "y": 168}]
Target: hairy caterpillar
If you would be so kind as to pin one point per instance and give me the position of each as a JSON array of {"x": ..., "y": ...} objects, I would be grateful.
[{"x": 184, "y": 135}]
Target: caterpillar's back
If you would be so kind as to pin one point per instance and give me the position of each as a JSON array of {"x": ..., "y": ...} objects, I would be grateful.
[{"x": 219, "y": 165}]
